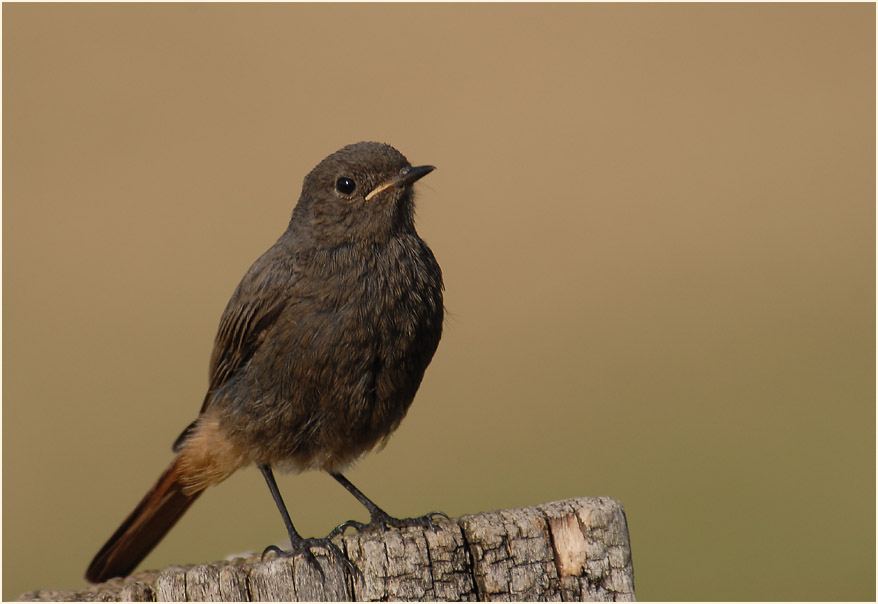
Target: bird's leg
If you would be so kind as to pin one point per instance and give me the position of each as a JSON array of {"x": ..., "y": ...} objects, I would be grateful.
[
  {"x": 299, "y": 544},
  {"x": 379, "y": 518}
]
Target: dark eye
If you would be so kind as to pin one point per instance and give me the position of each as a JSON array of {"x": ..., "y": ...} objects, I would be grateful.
[{"x": 345, "y": 185}]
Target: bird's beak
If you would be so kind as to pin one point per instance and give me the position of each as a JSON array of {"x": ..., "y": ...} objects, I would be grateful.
[{"x": 405, "y": 177}]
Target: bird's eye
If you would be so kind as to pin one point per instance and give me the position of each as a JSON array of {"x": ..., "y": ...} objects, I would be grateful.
[{"x": 345, "y": 185}]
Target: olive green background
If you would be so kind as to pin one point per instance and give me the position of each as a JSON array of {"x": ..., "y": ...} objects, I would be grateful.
[{"x": 656, "y": 222}]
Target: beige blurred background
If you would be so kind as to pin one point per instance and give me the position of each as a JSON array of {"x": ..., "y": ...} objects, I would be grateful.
[{"x": 656, "y": 223}]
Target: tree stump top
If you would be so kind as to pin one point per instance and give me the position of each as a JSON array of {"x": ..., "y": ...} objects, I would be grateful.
[{"x": 572, "y": 550}]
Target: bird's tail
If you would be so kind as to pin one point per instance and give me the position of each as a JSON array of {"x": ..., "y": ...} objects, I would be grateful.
[{"x": 153, "y": 517}]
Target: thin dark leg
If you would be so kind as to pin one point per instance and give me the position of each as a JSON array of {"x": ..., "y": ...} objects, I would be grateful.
[
  {"x": 298, "y": 544},
  {"x": 370, "y": 505},
  {"x": 279, "y": 502},
  {"x": 378, "y": 517}
]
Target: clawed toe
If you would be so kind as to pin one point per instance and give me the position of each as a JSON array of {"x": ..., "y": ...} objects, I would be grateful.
[
  {"x": 341, "y": 528},
  {"x": 304, "y": 546},
  {"x": 273, "y": 548},
  {"x": 425, "y": 521},
  {"x": 385, "y": 521},
  {"x": 300, "y": 548}
]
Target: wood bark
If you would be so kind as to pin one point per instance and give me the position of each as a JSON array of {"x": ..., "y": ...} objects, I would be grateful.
[{"x": 572, "y": 550}]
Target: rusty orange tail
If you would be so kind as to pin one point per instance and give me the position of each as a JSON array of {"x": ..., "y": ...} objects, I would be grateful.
[{"x": 153, "y": 517}]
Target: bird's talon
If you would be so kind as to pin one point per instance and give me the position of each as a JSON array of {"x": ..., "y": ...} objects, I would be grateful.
[
  {"x": 385, "y": 521},
  {"x": 302, "y": 548},
  {"x": 272, "y": 548},
  {"x": 341, "y": 528},
  {"x": 428, "y": 519}
]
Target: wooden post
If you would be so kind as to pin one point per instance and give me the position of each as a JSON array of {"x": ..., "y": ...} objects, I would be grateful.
[{"x": 576, "y": 549}]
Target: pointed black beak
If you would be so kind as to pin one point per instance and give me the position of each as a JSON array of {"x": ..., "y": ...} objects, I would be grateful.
[
  {"x": 409, "y": 175},
  {"x": 405, "y": 177}
]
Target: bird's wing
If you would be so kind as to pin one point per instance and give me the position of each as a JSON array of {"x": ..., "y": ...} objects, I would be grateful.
[
  {"x": 254, "y": 307},
  {"x": 239, "y": 335}
]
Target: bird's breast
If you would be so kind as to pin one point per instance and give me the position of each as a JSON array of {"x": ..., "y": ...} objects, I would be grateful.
[{"x": 339, "y": 369}]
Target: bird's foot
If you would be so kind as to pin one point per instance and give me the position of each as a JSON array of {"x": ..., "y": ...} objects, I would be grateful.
[
  {"x": 303, "y": 546},
  {"x": 382, "y": 520}
]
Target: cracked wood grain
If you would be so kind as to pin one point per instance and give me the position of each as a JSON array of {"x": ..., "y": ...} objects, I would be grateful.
[{"x": 572, "y": 550}]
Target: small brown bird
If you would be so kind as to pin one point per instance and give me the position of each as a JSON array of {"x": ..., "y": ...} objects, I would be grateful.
[{"x": 319, "y": 352}]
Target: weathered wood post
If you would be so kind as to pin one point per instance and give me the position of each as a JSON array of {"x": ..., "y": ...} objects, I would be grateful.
[{"x": 576, "y": 549}]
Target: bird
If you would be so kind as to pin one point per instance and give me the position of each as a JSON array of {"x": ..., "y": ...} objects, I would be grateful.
[{"x": 318, "y": 355}]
